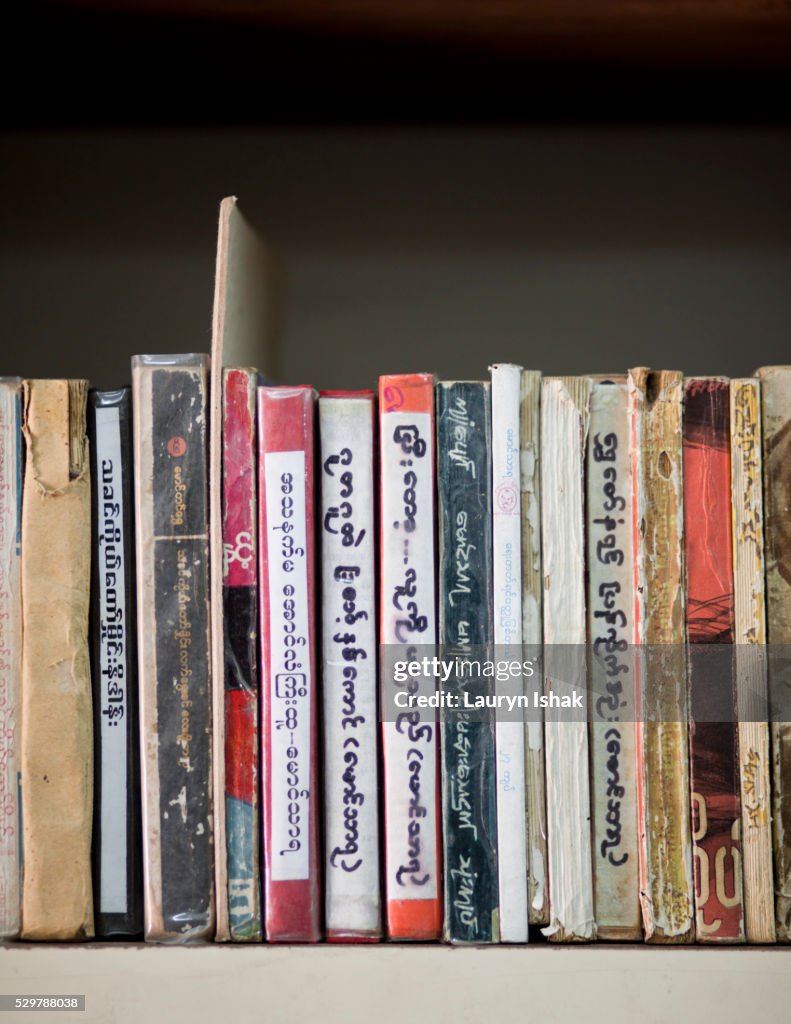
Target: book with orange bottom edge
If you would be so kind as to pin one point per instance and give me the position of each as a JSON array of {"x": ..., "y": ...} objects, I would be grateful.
[{"x": 408, "y": 628}]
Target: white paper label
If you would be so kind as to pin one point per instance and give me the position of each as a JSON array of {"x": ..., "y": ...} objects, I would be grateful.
[
  {"x": 351, "y": 818},
  {"x": 113, "y": 639},
  {"x": 290, "y": 682},
  {"x": 408, "y": 616}
]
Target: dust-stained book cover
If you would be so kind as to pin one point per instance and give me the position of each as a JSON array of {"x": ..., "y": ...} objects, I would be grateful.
[
  {"x": 169, "y": 412},
  {"x": 611, "y": 598},
  {"x": 666, "y": 885}
]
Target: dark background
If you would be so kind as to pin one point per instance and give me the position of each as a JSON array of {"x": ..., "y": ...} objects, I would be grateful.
[{"x": 577, "y": 192}]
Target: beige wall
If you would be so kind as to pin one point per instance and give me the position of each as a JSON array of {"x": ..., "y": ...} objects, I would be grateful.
[{"x": 573, "y": 250}]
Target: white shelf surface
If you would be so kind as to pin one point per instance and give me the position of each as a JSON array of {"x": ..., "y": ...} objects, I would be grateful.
[{"x": 383, "y": 983}]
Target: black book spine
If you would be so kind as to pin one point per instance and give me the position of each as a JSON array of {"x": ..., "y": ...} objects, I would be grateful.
[
  {"x": 466, "y": 626},
  {"x": 117, "y": 823}
]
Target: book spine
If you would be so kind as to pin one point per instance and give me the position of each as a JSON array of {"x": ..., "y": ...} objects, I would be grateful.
[
  {"x": 751, "y": 666},
  {"x": 469, "y": 789},
  {"x": 353, "y": 908},
  {"x": 174, "y": 677},
  {"x": 408, "y": 619},
  {"x": 713, "y": 750},
  {"x": 507, "y": 583},
  {"x": 611, "y": 596},
  {"x": 532, "y": 637},
  {"x": 11, "y": 463},
  {"x": 117, "y": 823},
  {"x": 564, "y": 428},
  {"x": 662, "y": 749},
  {"x": 289, "y": 719},
  {"x": 776, "y": 416},
  {"x": 57, "y": 728},
  {"x": 240, "y": 663}
]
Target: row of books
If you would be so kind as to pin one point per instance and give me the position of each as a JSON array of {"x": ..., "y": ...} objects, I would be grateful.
[{"x": 198, "y": 738}]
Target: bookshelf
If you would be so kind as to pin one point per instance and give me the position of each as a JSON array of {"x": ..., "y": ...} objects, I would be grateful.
[{"x": 638, "y": 214}]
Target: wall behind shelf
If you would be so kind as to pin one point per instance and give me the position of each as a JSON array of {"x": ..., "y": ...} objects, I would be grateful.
[{"x": 570, "y": 249}]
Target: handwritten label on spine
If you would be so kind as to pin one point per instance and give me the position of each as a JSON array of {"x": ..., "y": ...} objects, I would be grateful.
[
  {"x": 10, "y": 650},
  {"x": 289, "y": 661},
  {"x": 507, "y": 571},
  {"x": 610, "y": 619},
  {"x": 408, "y": 617},
  {"x": 349, "y": 660},
  {"x": 112, "y": 648}
]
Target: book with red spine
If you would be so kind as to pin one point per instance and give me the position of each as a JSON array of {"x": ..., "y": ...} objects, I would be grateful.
[
  {"x": 289, "y": 752},
  {"x": 713, "y": 740},
  {"x": 240, "y": 637},
  {"x": 408, "y": 624}
]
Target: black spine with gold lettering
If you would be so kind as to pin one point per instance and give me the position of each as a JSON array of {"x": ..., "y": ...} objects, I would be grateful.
[
  {"x": 171, "y": 471},
  {"x": 117, "y": 822},
  {"x": 469, "y": 810}
]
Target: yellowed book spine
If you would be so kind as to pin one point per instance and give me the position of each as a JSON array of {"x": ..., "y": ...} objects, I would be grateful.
[
  {"x": 666, "y": 884},
  {"x": 751, "y": 667},
  {"x": 564, "y": 427},
  {"x": 10, "y": 654},
  {"x": 532, "y": 635},
  {"x": 57, "y": 734},
  {"x": 776, "y": 420}
]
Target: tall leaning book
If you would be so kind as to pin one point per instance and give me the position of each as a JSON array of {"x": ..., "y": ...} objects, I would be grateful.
[
  {"x": 565, "y": 405},
  {"x": 776, "y": 421},
  {"x": 171, "y": 468},
  {"x": 611, "y": 596},
  {"x": 666, "y": 888},
  {"x": 751, "y": 661},
  {"x": 469, "y": 798},
  {"x": 408, "y": 623},
  {"x": 56, "y": 743},
  {"x": 713, "y": 740},
  {"x": 11, "y": 459},
  {"x": 117, "y": 825},
  {"x": 353, "y": 906}
]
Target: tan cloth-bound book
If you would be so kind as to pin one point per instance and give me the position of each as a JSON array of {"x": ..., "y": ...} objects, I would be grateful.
[
  {"x": 57, "y": 737},
  {"x": 666, "y": 885}
]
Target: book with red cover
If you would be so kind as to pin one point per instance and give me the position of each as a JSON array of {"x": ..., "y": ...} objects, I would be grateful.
[
  {"x": 408, "y": 625},
  {"x": 240, "y": 636},
  {"x": 288, "y": 667},
  {"x": 714, "y": 764}
]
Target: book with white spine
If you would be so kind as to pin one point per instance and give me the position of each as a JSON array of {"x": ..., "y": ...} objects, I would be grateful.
[
  {"x": 349, "y": 658},
  {"x": 611, "y": 598},
  {"x": 564, "y": 428},
  {"x": 751, "y": 666},
  {"x": 532, "y": 638},
  {"x": 507, "y": 586}
]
